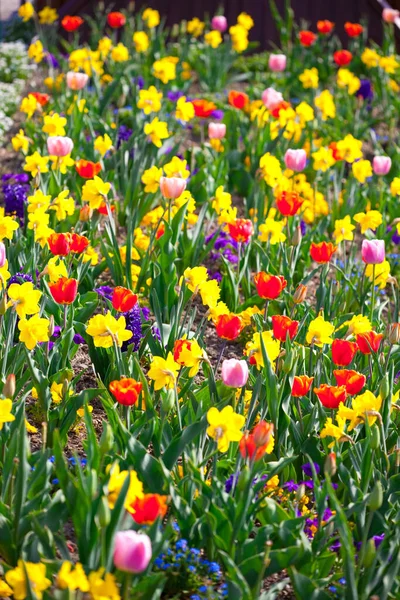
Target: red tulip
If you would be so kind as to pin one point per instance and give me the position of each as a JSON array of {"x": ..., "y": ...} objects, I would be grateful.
[
  {"x": 353, "y": 29},
  {"x": 238, "y": 99},
  {"x": 353, "y": 381},
  {"x": 123, "y": 299},
  {"x": 149, "y": 508},
  {"x": 116, "y": 19},
  {"x": 71, "y": 23},
  {"x": 342, "y": 57},
  {"x": 307, "y": 38},
  {"x": 78, "y": 243},
  {"x": 87, "y": 169},
  {"x": 369, "y": 342},
  {"x": 301, "y": 385},
  {"x": 322, "y": 252},
  {"x": 282, "y": 326},
  {"x": 126, "y": 390},
  {"x": 228, "y": 327},
  {"x": 288, "y": 203},
  {"x": 64, "y": 291},
  {"x": 325, "y": 27},
  {"x": 269, "y": 286},
  {"x": 203, "y": 108},
  {"x": 343, "y": 352},
  {"x": 331, "y": 396},
  {"x": 241, "y": 230},
  {"x": 59, "y": 244}
]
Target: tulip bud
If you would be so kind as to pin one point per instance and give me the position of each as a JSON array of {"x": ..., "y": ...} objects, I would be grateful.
[
  {"x": 373, "y": 252},
  {"x": 277, "y": 62},
  {"x": 243, "y": 479},
  {"x": 59, "y": 146},
  {"x": 271, "y": 98},
  {"x": 393, "y": 333},
  {"x": 107, "y": 438},
  {"x": 330, "y": 465},
  {"x": 375, "y": 438},
  {"x": 235, "y": 373},
  {"x": 381, "y": 165},
  {"x": 376, "y": 497},
  {"x": 297, "y": 237},
  {"x": 132, "y": 551},
  {"x": 216, "y": 131},
  {"x": 288, "y": 362},
  {"x": 390, "y": 15},
  {"x": 262, "y": 433},
  {"x": 3, "y": 256},
  {"x": 51, "y": 326},
  {"x": 76, "y": 81},
  {"x": 172, "y": 187},
  {"x": 384, "y": 388},
  {"x": 300, "y": 294},
  {"x": 3, "y": 305},
  {"x": 9, "y": 386},
  {"x": 219, "y": 23},
  {"x": 370, "y": 553},
  {"x": 175, "y": 31},
  {"x": 168, "y": 401},
  {"x": 85, "y": 213},
  {"x": 301, "y": 490},
  {"x": 103, "y": 516},
  {"x": 295, "y": 160}
]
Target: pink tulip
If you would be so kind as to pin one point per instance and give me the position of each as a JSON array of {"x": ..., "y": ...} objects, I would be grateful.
[
  {"x": 277, "y": 62},
  {"x": 235, "y": 373},
  {"x": 219, "y": 23},
  {"x": 58, "y": 145},
  {"x": 381, "y": 165},
  {"x": 271, "y": 98},
  {"x": 373, "y": 251},
  {"x": 295, "y": 160},
  {"x": 216, "y": 131},
  {"x": 3, "y": 256},
  {"x": 132, "y": 551},
  {"x": 172, "y": 187},
  {"x": 76, "y": 81},
  {"x": 390, "y": 15}
]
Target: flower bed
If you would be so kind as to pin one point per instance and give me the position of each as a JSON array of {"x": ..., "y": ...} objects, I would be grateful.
[{"x": 199, "y": 313}]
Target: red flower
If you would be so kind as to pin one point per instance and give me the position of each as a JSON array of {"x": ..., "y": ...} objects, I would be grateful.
[
  {"x": 331, "y": 396},
  {"x": 369, "y": 342},
  {"x": 282, "y": 326},
  {"x": 353, "y": 381},
  {"x": 241, "y": 230},
  {"x": 149, "y": 508},
  {"x": 41, "y": 98},
  {"x": 307, "y": 38},
  {"x": 342, "y": 57},
  {"x": 87, "y": 169},
  {"x": 103, "y": 209},
  {"x": 160, "y": 231},
  {"x": 322, "y": 252},
  {"x": 238, "y": 99},
  {"x": 71, "y": 23},
  {"x": 116, "y": 20},
  {"x": 228, "y": 327},
  {"x": 288, "y": 203},
  {"x": 180, "y": 345},
  {"x": 123, "y": 299},
  {"x": 343, "y": 352},
  {"x": 353, "y": 29},
  {"x": 78, "y": 243},
  {"x": 325, "y": 26},
  {"x": 253, "y": 445},
  {"x": 64, "y": 291},
  {"x": 337, "y": 154},
  {"x": 269, "y": 286},
  {"x": 301, "y": 385},
  {"x": 281, "y": 106},
  {"x": 203, "y": 108},
  {"x": 126, "y": 390},
  {"x": 59, "y": 244}
]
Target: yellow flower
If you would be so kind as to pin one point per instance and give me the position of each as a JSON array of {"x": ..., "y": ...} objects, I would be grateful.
[
  {"x": 335, "y": 431},
  {"x": 47, "y": 15},
  {"x": 151, "y": 179},
  {"x": 362, "y": 169},
  {"x": 42, "y": 234},
  {"x": 389, "y": 64},
  {"x": 395, "y": 187},
  {"x": 7, "y": 226},
  {"x": 102, "y": 144},
  {"x": 120, "y": 53},
  {"x": 107, "y": 330},
  {"x": 104, "y": 47},
  {"x": 28, "y": 105},
  {"x": 156, "y": 130},
  {"x": 191, "y": 355},
  {"x": 365, "y": 403},
  {"x": 345, "y": 78},
  {"x": 141, "y": 41},
  {"x": 272, "y": 231},
  {"x": 36, "y": 51},
  {"x": 224, "y": 426},
  {"x": 319, "y": 332},
  {"x": 39, "y": 218},
  {"x": 305, "y": 113},
  {"x": 4, "y": 274},
  {"x": 72, "y": 578},
  {"x": 63, "y": 205},
  {"x": 309, "y": 78},
  {"x": 54, "y": 124},
  {"x": 95, "y": 192},
  {"x": 271, "y": 169},
  {"x": 213, "y": 38},
  {"x": 350, "y": 148},
  {"x": 369, "y": 220},
  {"x": 194, "y": 278},
  {"x": 90, "y": 255},
  {"x": 5, "y": 412},
  {"x": 177, "y": 167},
  {"x": 195, "y": 27},
  {"x": 20, "y": 141},
  {"x": 87, "y": 60},
  {"x": 36, "y": 573},
  {"x": 150, "y": 100},
  {"x": 38, "y": 200},
  {"x": 56, "y": 391},
  {"x": 5, "y": 590},
  {"x": 116, "y": 483},
  {"x": 24, "y": 299},
  {"x": 382, "y": 273},
  {"x": 151, "y": 18},
  {"x": 184, "y": 110},
  {"x": 343, "y": 229},
  {"x": 103, "y": 589},
  {"x": 210, "y": 293},
  {"x": 34, "y": 330},
  {"x": 26, "y": 11},
  {"x": 253, "y": 348},
  {"x": 326, "y": 105},
  {"x": 370, "y": 57},
  {"x": 55, "y": 269},
  {"x": 323, "y": 159},
  {"x": 220, "y": 309},
  {"x": 222, "y": 200},
  {"x": 358, "y": 324},
  {"x": 245, "y": 21},
  {"x": 163, "y": 371},
  {"x": 165, "y": 69}
]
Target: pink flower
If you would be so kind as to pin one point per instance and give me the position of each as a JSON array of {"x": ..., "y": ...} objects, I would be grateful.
[
  {"x": 381, "y": 165},
  {"x": 277, "y": 62},
  {"x": 390, "y": 15},
  {"x": 373, "y": 251},
  {"x": 132, "y": 551},
  {"x": 59, "y": 146},
  {"x": 216, "y": 131},
  {"x": 271, "y": 98},
  {"x": 3, "y": 256},
  {"x": 219, "y": 23},
  {"x": 235, "y": 373},
  {"x": 295, "y": 160},
  {"x": 76, "y": 81},
  {"x": 172, "y": 187}
]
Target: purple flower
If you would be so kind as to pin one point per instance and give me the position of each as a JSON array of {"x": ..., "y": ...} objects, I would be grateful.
[
  {"x": 365, "y": 90},
  {"x": 133, "y": 320},
  {"x": 15, "y": 196},
  {"x": 19, "y": 278},
  {"x": 290, "y": 486},
  {"x": 303, "y": 227},
  {"x": 78, "y": 339},
  {"x": 217, "y": 114},
  {"x": 124, "y": 133},
  {"x": 174, "y": 95},
  {"x": 217, "y": 276},
  {"x": 307, "y": 470},
  {"x": 51, "y": 60},
  {"x": 105, "y": 291},
  {"x": 231, "y": 482}
]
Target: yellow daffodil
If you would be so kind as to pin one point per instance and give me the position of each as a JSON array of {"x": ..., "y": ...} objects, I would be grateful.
[
  {"x": 254, "y": 351},
  {"x": 106, "y": 330},
  {"x": 36, "y": 574},
  {"x": 103, "y": 144},
  {"x": 5, "y": 412},
  {"x": 95, "y": 192},
  {"x": 343, "y": 229},
  {"x": 224, "y": 426},
  {"x": 141, "y": 41},
  {"x": 24, "y": 299},
  {"x": 163, "y": 371},
  {"x": 369, "y": 220},
  {"x": 156, "y": 130},
  {"x": 33, "y": 331},
  {"x": 320, "y": 332}
]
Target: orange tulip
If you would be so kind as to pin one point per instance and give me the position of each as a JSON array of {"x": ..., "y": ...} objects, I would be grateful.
[
  {"x": 331, "y": 396},
  {"x": 87, "y": 169},
  {"x": 369, "y": 342},
  {"x": 123, "y": 299},
  {"x": 64, "y": 291},
  {"x": 322, "y": 252},
  {"x": 301, "y": 385},
  {"x": 282, "y": 326},
  {"x": 228, "y": 327},
  {"x": 288, "y": 203},
  {"x": 149, "y": 508},
  {"x": 353, "y": 381},
  {"x": 269, "y": 286},
  {"x": 238, "y": 99},
  {"x": 126, "y": 390}
]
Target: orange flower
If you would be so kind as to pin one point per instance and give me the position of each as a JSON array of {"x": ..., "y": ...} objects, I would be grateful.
[
  {"x": 337, "y": 154},
  {"x": 123, "y": 299},
  {"x": 116, "y": 19},
  {"x": 254, "y": 445},
  {"x": 307, "y": 38},
  {"x": 281, "y": 106},
  {"x": 64, "y": 291},
  {"x": 369, "y": 342},
  {"x": 203, "y": 108},
  {"x": 288, "y": 203},
  {"x": 238, "y": 99},
  {"x": 331, "y": 396},
  {"x": 282, "y": 326},
  {"x": 149, "y": 508},
  {"x": 269, "y": 286},
  {"x": 228, "y": 327},
  {"x": 71, "y": 23},
  {"x": 78, "y": 243},
  {"x": 103, "y": 209},
  {"x": 322, "y": 252},
  {"x": 353, "y": 29},
  {"x": 352, "y": 380},
  {"x": 42, "y": 99},
  {"x": 59, "y": 244},
  {"x": 126, "y": 390},
  {"x": 342, "y": 57},
  {"x": 241, "y": 230},
  {"x": 87, "y": 169},
  {"x": 301, "y": 385},
  {"x": 343, "y": 352},
  {"x": 325, "y": 26}
]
